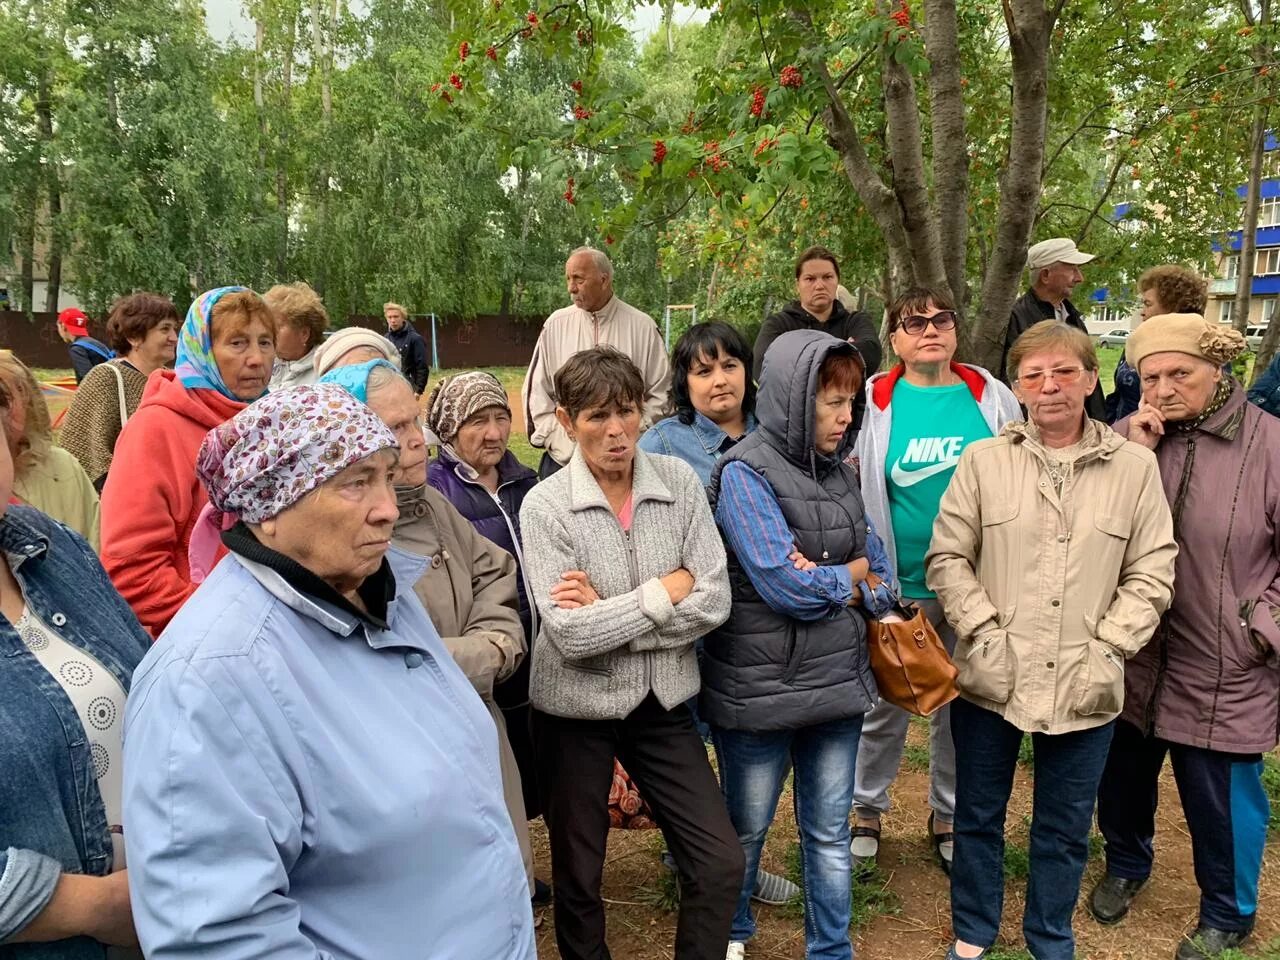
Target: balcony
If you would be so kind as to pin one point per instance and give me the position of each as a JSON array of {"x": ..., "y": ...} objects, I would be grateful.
[{"x": 1223, "y": 287}]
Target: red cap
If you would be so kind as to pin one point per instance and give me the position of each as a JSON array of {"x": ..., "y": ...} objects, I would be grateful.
[{"x": 75, "y": 320}]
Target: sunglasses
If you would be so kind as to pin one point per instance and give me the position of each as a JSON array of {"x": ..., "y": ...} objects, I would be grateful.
[
  {"x": 942, "y": 320},
  {"x": 1061, "y": 375}
]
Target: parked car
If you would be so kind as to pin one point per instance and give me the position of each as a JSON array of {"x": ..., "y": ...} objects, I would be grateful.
[
  {"x": 1253, "y": 336},
  {"x": 1113, "y": 338}
]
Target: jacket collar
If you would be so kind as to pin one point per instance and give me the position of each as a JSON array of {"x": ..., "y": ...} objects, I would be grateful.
[
  {"x": 19, "y": 540},
  {"x": 585, "y": 492},
  {"x": 1097, "y": 442},
  {"x": 882, "y": 384},
  {"x": 711, "y": 436},
  {"x": 1226, "y": 422},
  {"x": 509, "y": 468}
]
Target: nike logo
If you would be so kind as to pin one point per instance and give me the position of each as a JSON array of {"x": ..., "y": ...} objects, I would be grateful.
[{"x": 909, "y": 478}]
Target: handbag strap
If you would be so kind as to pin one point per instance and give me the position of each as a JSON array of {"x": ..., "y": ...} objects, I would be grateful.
[{"x": 124, "y": 406}]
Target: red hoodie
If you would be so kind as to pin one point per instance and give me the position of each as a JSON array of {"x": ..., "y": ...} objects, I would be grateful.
[{"x": 152, "y": 497}]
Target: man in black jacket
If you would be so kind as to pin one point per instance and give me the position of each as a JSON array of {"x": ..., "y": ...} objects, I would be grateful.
[
  {"x": 413, "y": 350},
  {"x": 817, "y": 278},
  {"x": 86, "y": 352},
  {"x": 1054, "y": 266}
]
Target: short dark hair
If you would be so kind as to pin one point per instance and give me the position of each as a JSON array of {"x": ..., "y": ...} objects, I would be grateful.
[
  {"x": 916, "y": 299},
  {"x": 707, "y": 340},
  {"x": 842, "y": 368},
  {"x": 817, "y": 253},
  {"x": 598, "y": 377},
  {"x": 135, "y": 315}
]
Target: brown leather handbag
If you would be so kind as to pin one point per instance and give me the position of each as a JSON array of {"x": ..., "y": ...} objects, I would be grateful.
[{"x": 910, "y": 663}]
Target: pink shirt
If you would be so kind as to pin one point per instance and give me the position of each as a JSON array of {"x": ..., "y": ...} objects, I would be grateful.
[{"x": 624, "y": 515}]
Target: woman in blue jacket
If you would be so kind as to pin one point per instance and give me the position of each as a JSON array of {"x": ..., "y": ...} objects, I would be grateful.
[{"x": 70, "y": 644}]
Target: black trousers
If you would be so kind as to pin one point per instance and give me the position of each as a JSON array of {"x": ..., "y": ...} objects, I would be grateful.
[
  {"x": 663, "y": 753},
  {"x": 547, "y": 466},
  {"x": 1225, "y": 806}
]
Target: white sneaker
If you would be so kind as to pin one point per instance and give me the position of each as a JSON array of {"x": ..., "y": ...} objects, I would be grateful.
[{"x": 737, "y": 950}]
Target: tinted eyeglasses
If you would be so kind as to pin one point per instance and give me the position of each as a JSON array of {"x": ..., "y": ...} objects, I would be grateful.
[
  {"x": 942, "y": 320},
  {"x": 1034, "y": 379}
]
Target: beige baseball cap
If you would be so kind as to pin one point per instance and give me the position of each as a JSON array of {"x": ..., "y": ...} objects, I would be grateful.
[{"x": 1055, "y": 250}]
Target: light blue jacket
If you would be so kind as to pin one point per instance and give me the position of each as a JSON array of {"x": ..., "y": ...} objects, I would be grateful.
[
  {"x": 299, "y": 784},
  {"x": 699, "y": 444}
]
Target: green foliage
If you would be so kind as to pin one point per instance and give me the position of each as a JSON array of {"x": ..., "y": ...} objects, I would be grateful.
[
  {"x": 1271, "y": 783},
  {"x": 916, "y": 757}
]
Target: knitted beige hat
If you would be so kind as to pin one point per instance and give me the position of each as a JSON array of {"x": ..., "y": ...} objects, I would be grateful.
[
  {"x": 347, "y": 339},
  {"x": 1183, "y": 333}
]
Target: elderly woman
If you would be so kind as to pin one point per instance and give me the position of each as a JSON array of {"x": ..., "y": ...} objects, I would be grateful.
[
  {"x": 628, "y": 573},
  {"x": 352, "y": 345},
  {"x": 301, "y": 321},
  {"x": 143, "y": 331},
  {"x": 919, "y": 418},
  {"x": 70, "y": 647},
  {"x": 469, "y": 589},
  {"x": 44, "y": 476},
  {"x": 484, "y": 481},
  {"x": 152, "y": 498},
  {"x": 1165, "y": 289},
  {"x": 307, "y": 770},
  {"x": 787, "y": 678},
  {"x": 1052, "y": 557},
  {"x": 1206, "y": 692}
]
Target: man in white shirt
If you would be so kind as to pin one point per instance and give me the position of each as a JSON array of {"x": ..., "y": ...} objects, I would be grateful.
[{"x": 596, "y": 317}]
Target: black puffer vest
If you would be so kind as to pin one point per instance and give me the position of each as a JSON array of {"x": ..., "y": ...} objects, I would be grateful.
[{"x": 764, "y": 670}]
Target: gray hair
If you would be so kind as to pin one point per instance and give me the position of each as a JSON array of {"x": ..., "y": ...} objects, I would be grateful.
[
  {"x": 383, "y": 376},
  {"x": 602, "y": 262}
]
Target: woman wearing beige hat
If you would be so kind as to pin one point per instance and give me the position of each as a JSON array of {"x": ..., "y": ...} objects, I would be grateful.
[
  {"x": 353, "y": 345},
  {"x": 1206, "y": 690}
]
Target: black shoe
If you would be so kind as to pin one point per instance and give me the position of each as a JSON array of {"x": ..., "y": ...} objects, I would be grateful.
[
  {"x": 1112, "y": 897},
  {"x": 541, "y": 893},
  {"x": 1207, "y": 943}
]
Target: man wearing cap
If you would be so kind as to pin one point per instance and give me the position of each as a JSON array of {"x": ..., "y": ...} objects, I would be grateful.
[
  {"x": 1054, "y": 266},
  {"x": 86, "y": 352}
]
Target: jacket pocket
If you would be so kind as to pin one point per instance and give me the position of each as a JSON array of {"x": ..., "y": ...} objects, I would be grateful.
[
  {"x": 1101, "y": 681},
  {"x": 999, "y": 561},
  {"x": 1255, "y": 639},
  {"x": 984, "y": 666},
  {"x": 596, "y": 666}
]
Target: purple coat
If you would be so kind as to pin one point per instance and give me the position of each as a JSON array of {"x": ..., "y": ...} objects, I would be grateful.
[
  {"x": 501, "y": 524},
  {"x": 1211, "y": 675}
]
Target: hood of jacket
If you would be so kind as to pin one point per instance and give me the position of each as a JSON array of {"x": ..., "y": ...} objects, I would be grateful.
[
  {"x": 787, "y": 400},
  {"x": 208, "y": 408}
]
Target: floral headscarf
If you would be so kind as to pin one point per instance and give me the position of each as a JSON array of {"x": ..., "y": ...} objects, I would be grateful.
[
  {"x": 273, "y": 453},
  {"x": 456, "y": 399},
  {"x": 196, "y": 367},
  {"x": 354, "y": 378}
]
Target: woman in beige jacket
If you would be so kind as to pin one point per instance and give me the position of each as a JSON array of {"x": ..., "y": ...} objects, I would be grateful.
[{"x": 1052, "y": 556}]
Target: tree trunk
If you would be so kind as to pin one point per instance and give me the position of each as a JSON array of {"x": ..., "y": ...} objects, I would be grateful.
[
  {"x": 1030, "y": 26},
  {"x": 322, "y": 42},
  {"x": 950, "y": 142},
  {"x": 259, "y": 104},
  {"x": 282, "y": 156},
  {"x": 27, "y": 246},
  {"x": 1253, "y": 189},
  {"x": 53, "y": 189}
]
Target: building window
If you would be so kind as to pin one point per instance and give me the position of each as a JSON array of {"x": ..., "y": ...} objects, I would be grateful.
[
  {"x": 1269, "y": 212},
  {"x": 1225, "y": 309},
  {"x": 1268, "y": 310},
  {"x": 1231, "y": 266},
  {"x": 1271, "y": 165},
  {"x": 1268, "y": 262}
]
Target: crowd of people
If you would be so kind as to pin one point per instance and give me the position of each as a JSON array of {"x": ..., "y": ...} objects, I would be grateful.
[{"x": 296, "y": 647}]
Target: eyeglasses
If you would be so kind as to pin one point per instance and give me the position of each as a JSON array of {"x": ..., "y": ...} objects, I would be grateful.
[
  {"x": 942, "y": 320},
  {"x": 1061, "y": 375}
]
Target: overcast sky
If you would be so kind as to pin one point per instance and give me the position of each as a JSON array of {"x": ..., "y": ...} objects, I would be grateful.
[{"x": 226, "y": 18}]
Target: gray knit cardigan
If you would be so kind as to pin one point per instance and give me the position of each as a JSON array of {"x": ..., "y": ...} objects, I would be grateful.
[{"x": 600, "y": 661}]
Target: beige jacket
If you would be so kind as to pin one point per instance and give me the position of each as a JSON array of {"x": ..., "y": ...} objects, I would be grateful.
[
  {"x": 569, "y": 330},
  {"x": 1049, "y": 595}
]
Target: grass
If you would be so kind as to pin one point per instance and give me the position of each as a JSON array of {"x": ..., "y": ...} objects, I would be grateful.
[
  {"x": 1271, "y": 784},
  {"x": 915, "y": 756},
  {"x": 1263, "y": 951},
  {"x": 1006, "y": 953},
  {"x": 871, "y": 896}
]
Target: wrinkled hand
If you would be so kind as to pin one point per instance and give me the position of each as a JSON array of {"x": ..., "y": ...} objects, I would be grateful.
[
  {"x": 1147, "y": 426},
  {"x": 574, "y": 590},
  {"x": 678, "y": 583},
  {"x": 800, "y": 560}
]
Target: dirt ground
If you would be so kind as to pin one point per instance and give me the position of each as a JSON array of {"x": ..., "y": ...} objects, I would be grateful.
[{"x": 909, "y": 912}]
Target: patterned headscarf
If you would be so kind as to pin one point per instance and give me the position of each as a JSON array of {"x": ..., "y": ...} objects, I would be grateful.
[
  {"x": 457, "y": 398},
  {"x": 355, "y": 378},
  {"x": 273, "y": 453},
  {"x": 196, "y": 367}
]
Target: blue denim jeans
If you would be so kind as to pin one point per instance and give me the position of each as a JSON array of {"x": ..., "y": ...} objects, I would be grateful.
[
  {"x": 753, "y": 767},
  {"x": 1068, "y": 767}
]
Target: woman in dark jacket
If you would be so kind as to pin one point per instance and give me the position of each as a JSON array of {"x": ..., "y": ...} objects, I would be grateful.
[
  {"x": 484, "y": 481},
  {"x": 787, "y": 679},
  {"x": 70, "y": 646},
  {"x": 1206, "y": 690}
]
